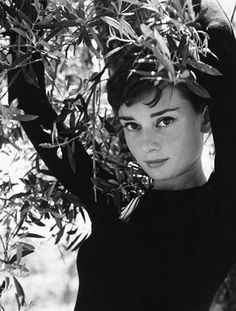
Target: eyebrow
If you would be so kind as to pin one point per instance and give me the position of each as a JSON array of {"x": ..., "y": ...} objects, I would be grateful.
[
  {"x": 126, "y": 118},
  {"x": 158, "y": 113}
]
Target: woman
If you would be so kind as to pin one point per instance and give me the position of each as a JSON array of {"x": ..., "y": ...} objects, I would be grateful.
[{"x": 171, "y": 248}]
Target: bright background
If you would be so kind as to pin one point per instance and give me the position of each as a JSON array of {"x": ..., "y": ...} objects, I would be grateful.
[{"x": 52, "y": 284}]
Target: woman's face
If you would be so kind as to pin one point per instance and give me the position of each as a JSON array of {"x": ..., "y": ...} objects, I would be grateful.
[{"x": 167, "y": 139}]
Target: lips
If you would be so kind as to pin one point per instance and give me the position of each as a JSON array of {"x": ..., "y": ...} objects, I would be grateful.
[{"x": 156, "y": 163}]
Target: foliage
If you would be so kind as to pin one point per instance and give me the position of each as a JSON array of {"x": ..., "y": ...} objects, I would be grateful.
[
  {"x": 167, "y": 35},
  {"x": 85, "y": 37},
  {"x": 39, "y": 198},
  {"x": 55, "y": 31}
]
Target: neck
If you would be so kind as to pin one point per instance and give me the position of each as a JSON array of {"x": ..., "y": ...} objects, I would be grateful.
[{"x": 192, "y": 177}]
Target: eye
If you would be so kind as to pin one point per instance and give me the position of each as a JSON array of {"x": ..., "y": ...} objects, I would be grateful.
[
  {"x": 165, "y": 122},
  {"x": 131, "y": 126}
]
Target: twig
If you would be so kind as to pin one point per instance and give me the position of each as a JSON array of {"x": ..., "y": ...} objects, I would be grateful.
[
  {"x": 4, "y": 248},
  {"x": 94, "y": 142},
  {"x": 54, "y": 81},
  {"x": 232, "y": 17},
  {"x": 61, "y": 25},
  {"x": 50, "y": 146}
]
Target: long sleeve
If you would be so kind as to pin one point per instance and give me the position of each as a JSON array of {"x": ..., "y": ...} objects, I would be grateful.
[
  {"x": 222, "y": 89},
  {"x": 34, "y": 101},
  {"x": 222, "y": 113}
]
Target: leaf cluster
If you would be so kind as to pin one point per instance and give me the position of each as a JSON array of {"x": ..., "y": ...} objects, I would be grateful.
[
  {"x": 85, "y": 116},
  {"x": 40, "y": 202},
  {"x": 168, "y": 36}
]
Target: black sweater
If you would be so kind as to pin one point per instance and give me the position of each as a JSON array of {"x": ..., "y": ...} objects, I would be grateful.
[
  {"x": 178, "y": 246},
  {"x": 173, "y": 254}
]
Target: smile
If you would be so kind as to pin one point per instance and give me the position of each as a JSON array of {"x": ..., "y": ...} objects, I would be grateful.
[{"x": 156, "y": 163}]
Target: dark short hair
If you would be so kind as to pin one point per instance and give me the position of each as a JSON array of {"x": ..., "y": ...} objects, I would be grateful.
[{"x": 125, "y": 86}]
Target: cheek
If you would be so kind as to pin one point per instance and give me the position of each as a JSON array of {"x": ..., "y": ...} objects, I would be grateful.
[
  {"x": 179, "y": 138},
  {"x": 130, "y": 143},
  {"x": 133, "y": 144},
  {"x": 188, "y": 140}
]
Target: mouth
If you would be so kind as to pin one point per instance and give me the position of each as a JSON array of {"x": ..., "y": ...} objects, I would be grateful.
[{"x": 156, "y": 163}]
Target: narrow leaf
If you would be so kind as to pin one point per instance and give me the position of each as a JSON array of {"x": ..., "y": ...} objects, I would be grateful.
[
  {"x": 161, "y": 43},
  {"x": 204, "y": 67},
  {"x": 115, "y": 50},
  {"x": 109, "y": 127},
  {"x": 46, "y": 145},
  {"x": 36, "y": 221},
  {"x": 18, "y": 195},
  {"x": 82, "y": 213},
  {"x": 21, "y": 60},
  {"x": 127, "y": 30},
  {"x": 30, "y": 77},
  {"x": 96, "y": 38},
  {"x": 71, "y": 158},
  {"x": 74, "y": 241},
  {"x": 111, "y": 22},
  {"x": 71, "y": 232},
  {"x": 20, "y": 32},
  {"x": 19, "y": 292},
  {"x": 25, "y": 117},
  {"x": 59, "y": 235},
  {"x": 19, "y": 253},
  {"x": 80, "y": 243},
  {"x": 25, "y": 17},
  {"x": 34, "y": 235},
  {"x": 197, "y": 89},
  {"x": 28, "y": 246},
  {"x": 135, "y": 2}
]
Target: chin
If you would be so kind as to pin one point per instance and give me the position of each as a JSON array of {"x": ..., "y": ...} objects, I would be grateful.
[
  {"x": 159, "y": 176},
  {"x": 162, "y": 174}
]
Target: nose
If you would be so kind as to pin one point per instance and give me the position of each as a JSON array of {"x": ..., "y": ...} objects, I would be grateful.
[
  {"x": 151, "y": 148},
  {"x": 150, "y": 145}
]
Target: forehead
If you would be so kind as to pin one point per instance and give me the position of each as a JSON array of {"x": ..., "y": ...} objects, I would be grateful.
[{"x": 171, "y": 97}]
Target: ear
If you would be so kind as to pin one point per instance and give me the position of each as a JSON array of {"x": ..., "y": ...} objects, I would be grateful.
[{"x": 205, "y": 122}]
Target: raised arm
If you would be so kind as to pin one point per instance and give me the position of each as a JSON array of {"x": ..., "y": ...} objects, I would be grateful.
[
  {"x": 34, "y": 101},
  {"x": 222, "y": 89}
]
